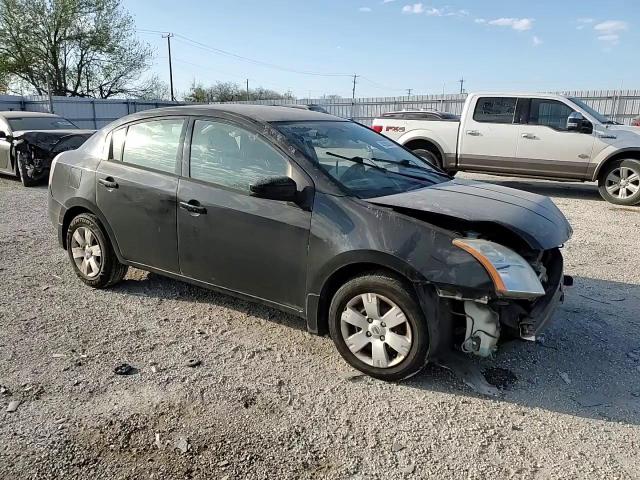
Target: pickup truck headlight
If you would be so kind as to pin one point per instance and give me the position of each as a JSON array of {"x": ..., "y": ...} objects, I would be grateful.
[{"x": 512, "y": 276}]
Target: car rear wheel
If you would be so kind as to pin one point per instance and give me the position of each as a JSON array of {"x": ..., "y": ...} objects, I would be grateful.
[
  {"x": 91, "y": 253},
  {"x": 619, "y": 183},
  {"x": 379, "y": 328}
]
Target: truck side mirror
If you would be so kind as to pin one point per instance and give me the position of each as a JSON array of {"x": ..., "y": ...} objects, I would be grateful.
[{"x": 577, "y": 123}]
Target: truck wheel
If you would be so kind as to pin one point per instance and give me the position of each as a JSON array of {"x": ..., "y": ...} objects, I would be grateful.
[
  {"x": 379, "y": 328},
  {"x": 428, "y": 156},
  {"x": 619, "y": 182}
]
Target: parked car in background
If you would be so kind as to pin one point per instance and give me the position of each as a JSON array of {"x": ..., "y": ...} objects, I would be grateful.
[
  {"x": 317, "y": 216},
  {"x": 536, "y": 135},
  {"x": 635, "y": 122},
  {"x": 30, "y": 140},
  {"x": 310, "y": 106}
]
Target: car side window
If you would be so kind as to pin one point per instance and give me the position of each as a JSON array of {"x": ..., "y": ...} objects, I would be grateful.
[
  {"x": 495, "y": 109},
  {"x": 550, "y": 113},
  {"x": 231, "y": 156},
  {"x": 117, "y": 142},
  {"x": 153, "y": 144}
]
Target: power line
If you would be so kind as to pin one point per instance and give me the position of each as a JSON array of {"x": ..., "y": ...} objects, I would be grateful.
[{"x": 256, "y": 62}]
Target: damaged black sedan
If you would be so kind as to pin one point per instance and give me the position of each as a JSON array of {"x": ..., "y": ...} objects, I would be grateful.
[
  {"x": 30, "y": 140},
  {"x": 317, "y": 216}
]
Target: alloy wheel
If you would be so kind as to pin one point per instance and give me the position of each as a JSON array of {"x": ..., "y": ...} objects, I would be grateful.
[
  {"x": 376, "y": 330},
  {"x": 623, "y": 182},
  {"x": 86, "y": 252}
]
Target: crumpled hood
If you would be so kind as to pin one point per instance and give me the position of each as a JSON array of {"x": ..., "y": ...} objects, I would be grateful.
[
  {"x": 534, "y": 218},
  {"x": 52, "y": 140}
]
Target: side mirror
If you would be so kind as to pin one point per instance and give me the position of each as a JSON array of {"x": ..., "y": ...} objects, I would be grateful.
[
  {"x": 577, "y": 123},
  {"x": 3, "y": 135},
  {"x": 275, "y": 188}
]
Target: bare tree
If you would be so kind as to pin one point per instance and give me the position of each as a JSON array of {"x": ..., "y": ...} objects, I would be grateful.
[{"x": 85, "y": 48}]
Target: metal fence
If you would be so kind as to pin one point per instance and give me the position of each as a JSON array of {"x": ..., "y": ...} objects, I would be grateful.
[
  {"x": 87, "y": 113},
  {"x": 619, "y": 105}
]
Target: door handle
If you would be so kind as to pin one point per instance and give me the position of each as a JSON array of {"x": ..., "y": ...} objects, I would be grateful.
[
  {"x": 473, "y": 133},
  {"x": 193, "y": 206},
  {"x": 529, "y": 136},
  {"x": 108, "y": 182}
]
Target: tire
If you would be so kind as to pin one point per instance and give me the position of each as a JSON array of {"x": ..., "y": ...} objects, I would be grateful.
[
  {"x": 432, "y": 158},
  {"x": 23, "y": 173},
  {"x": 619, "y": 182},
  {"x": 410, "y": 338},
  {"x": 105, "y": 270}
]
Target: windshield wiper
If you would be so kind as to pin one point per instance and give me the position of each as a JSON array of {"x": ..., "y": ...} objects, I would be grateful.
[
  {"x": 408, "y": 163},
  {"x": 361, "y": 161}
]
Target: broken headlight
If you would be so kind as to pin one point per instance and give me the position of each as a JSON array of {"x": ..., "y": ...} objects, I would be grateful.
[{"x": 511, "y": 274}]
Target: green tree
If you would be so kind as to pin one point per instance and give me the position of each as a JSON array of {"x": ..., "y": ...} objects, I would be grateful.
[
  {"x": 230, "y": 92},
  {"x": 85, "y": 48}
]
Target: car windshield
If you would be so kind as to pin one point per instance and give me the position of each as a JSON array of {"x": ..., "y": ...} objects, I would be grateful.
[
  {"x": 364, "y": 162},
  {"x": 594, "y": 113},
  {"x": 40, "y": 123}
]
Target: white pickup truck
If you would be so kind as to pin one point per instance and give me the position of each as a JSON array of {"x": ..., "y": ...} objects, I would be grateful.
[{"x": 531, "y": 135}]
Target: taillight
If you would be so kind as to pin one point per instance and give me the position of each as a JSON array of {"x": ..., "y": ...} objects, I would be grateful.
[{"x": 377, "y": 128}]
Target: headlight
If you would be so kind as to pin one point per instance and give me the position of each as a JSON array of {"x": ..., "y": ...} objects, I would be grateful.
[{"x": 511, "y": 274}]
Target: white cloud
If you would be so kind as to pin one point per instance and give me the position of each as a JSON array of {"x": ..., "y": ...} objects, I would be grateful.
[
  {"x": 364, "y": 9},
  {"x": 609, "y": 31},
  {"x": 519, "y": 24},
  {"x": 480, "y": 20},
  {"x": 584, "y": 22},
  {"x": 434, "y": 12},
  {"x": 536, "y": 41},
  {"x": 415, "y": 8},
  {"x": 388, "y": 1}
]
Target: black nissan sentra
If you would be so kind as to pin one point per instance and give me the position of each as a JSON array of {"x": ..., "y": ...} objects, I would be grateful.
[{"x": 317, "y": 216}]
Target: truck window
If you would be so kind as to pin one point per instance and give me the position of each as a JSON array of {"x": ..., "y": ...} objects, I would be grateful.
[
  {"x": 495, "y": 109},
  {"x": 550, "y": 113}
]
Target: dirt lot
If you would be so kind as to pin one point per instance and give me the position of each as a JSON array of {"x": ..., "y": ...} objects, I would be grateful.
[{"x": 271, "y": 401}]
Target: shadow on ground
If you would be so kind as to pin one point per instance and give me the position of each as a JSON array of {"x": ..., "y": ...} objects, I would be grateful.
[{"x": 588, "y": 365}]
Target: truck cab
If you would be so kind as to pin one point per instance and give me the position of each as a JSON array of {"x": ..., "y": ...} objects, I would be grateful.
[{"x": 533, "y": 135}]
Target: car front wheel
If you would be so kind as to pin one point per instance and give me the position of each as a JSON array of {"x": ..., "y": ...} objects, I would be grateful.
[
  {"x": 379, "y": 328},
  {"x": 91, "y": 253},
  {"x": 619, "y": 183}
]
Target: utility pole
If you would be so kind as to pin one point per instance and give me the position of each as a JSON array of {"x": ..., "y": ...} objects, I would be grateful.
[
  {"x": 248, "y": 90},
  {"x": 50, "y": 95},
  {"x": 168, "y": 37},
  {"x": 461, "y": 85},
  {"x": 409, "y": 90},
  {"x": 353, "y": 95}
]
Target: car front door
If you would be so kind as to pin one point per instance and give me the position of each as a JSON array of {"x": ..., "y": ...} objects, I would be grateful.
[
  {"x": 136, "y": 190},
  {"x": 546, "y": 148},
  {"x": 234, "y": 240},
  {"x": 489, "y": 135}
]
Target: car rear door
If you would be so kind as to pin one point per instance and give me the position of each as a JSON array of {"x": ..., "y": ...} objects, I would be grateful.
[
  {"x": 546, "y": 148},
  {"x": 229, "y": 238},
  {"x": 488, "y": 135},
  {"x": 136, "y": 190}
]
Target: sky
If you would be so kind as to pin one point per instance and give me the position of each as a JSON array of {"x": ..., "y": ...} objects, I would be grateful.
[{"x": 313, "y": 48}]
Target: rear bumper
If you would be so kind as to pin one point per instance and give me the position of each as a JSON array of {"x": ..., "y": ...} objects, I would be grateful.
[{"x": 56, "y": 215}]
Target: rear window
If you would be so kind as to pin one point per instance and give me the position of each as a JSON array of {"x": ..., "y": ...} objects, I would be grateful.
[
  {"x": 495, "y": 109},
  {"x": 40, "y": 123}
]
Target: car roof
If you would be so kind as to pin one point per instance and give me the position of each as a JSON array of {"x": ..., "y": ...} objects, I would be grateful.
[
  {"x": 23, "y": 114},
  {"x": 262, "y": 113}
]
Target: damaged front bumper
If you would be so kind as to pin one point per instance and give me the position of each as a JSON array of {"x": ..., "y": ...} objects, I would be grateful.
[{"x": 485, "y": 318}]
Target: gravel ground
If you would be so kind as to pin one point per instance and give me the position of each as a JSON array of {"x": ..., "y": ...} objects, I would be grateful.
[{"x": 270, "y": 400}]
